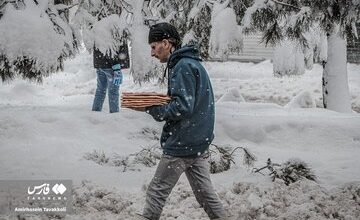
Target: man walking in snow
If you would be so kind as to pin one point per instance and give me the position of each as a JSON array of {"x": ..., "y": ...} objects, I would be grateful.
[
  {"x": 189, "y": 124},
  {"x": 109, "y": 77}
]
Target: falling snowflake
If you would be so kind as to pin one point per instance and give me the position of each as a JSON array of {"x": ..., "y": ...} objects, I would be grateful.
[{"x": 189, "y": 97}]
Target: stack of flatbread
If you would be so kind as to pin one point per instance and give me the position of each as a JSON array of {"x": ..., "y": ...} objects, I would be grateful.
[{"x": 143, "y": 99}]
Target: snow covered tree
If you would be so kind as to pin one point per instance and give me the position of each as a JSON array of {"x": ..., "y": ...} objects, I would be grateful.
[
  {"x": 199, "y": 21},
  {"x": 293, "y": 18},
  {"x": 240, "y": 8},
  {"x": 200, "y": 27},
  {"x": 143, "y": 67},
  {"x": 191, "y": 18},
  {"x": 109, "y": 24},
  {"x": 35, "y": 38},
  {"x": 102, "y": 24}
]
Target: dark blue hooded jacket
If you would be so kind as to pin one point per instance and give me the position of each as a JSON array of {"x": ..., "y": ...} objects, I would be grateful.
[{"x": 190, "y": 115}]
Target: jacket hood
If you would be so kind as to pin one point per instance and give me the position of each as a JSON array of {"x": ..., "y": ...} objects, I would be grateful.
[{"x": 188, "y": 51}]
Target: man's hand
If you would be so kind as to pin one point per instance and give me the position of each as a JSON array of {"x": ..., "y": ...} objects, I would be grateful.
[{"x": 117, "y": 78}]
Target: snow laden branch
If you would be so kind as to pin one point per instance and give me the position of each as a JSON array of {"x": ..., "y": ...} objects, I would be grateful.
[
  {"x": 221, "y": 158},
  {"x": 103, "y": 25},
  {"x": 148, "y": 156},
  {"x": 290, "y": 172},
  {"x": 34, "y": 40},
  {"x": 143, "y": 68},
  {"x": 62, "y": 8},
  {"x": 193, "y": 19},
  {"x": 211, "y": 24},
  {"x": 226, "y": 35},
  {"x": 285, "y": 4}
]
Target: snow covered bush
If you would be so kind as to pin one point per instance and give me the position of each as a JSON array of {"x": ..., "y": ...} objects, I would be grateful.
[
  {"x": 288, "y": 59},
  {"x": 232, "y": 95},
  {"x": 34, "y": 39},
  {"x": 303, "y": 100},
  {"x": 292, "y": 171},
  {"x": 147, "y": 133},
  {"x": 98, "y": 157},
  {"x": 148, "y": 156},
  {"x": 226, "y": 35}
]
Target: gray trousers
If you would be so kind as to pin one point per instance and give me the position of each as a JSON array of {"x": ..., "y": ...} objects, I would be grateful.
[{"x": 166, "y": 176}]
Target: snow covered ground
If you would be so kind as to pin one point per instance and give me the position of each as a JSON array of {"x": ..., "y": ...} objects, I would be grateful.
[{"x": 47, "y": 130}]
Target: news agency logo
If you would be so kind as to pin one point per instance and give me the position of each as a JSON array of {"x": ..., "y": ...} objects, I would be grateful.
[
  {"x": 35, "y": 196},
  {"x": 44, "y": 189},
  {"x": 43, "y": 192},
  {"x": 59, "y": 189}
]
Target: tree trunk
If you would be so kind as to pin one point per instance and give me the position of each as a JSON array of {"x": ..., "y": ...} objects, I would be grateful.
[{"x": 336, "y": 95}]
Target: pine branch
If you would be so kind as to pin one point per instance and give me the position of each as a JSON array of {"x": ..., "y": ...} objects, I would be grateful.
[
  {"x": 286, "y": 4},
  {"x": 52, "y": 16},
  {"x": 249, "y": 158},
  {"x": 269, "y": 165},
  {"x": 6, "y": 1},
  {"x": 126, "y": 6},
  {"x": 226, "y": 158},
  {"x": 290, "y": 171},
  {"x": 272, "y": 35},
  {"x": 162, "y": 1},
  {"x": 147, "y": 156},
  {"x": 66, "y": 8},
  {"x": 210, "y": 2}
]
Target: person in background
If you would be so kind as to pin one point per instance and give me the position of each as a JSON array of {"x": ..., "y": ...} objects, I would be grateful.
[
  {"x": 189, "y": 125},
  {"x": 109, "y": 77}
]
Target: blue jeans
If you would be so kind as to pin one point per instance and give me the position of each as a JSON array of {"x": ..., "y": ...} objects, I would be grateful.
[{"x": 104, "y": 81}]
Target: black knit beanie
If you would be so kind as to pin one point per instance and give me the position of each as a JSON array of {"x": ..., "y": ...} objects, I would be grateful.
[{"x": 161, "y": 31}]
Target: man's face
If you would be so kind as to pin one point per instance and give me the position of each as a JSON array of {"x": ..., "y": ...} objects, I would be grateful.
[{"x": 161, "y": 50}]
